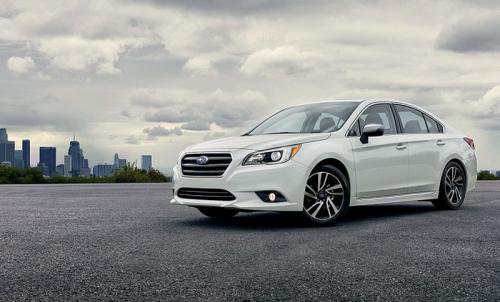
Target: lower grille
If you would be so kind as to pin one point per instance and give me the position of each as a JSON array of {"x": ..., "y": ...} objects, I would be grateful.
[{"x": 205, "y": 194}]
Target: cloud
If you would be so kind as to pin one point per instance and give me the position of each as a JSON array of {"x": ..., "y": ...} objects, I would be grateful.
[
  {"x": 159, "y": 131},
  {"x": 75, "y": 53},
  {"x": 221, "y": 108},
  {"x": 126, "y": 113},
  {"x": 286, "y": 60},
  {"x": 486, "y": 109},
  {"x": 233, "y": 7},
  {"x": 196, "y": 125},
  {"x": 41, "y": 76},
  {"x": 199, "y": 66},
  {"x": 132, "y": 140},
  {"x": 157, "y": 98},
  {"x": 472, "y": 33},
  {"x": 20, "y": 65}
]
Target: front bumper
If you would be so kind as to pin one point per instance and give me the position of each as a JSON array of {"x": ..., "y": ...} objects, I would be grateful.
[{"x": 288, "y": 178}]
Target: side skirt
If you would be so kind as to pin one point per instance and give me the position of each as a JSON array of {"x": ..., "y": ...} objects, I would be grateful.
[{"x": 398, "y": 198}]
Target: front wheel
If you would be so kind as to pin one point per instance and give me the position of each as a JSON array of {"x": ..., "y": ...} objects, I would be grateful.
[
  {"x": 452, "y": 189},
  {"x": 218, "y": 213},
  {"x": 326, "y": 196}
]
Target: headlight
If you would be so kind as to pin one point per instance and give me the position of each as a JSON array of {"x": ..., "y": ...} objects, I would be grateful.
[{"x": 273, "y": 156}]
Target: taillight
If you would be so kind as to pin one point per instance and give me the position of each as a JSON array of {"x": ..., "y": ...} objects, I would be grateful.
[{"x": 470, "y": 142}]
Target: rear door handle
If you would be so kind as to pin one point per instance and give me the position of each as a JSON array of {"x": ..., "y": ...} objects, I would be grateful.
[
  {"x": 440, "y": 142},
  {"x": 401, "y": 146}
]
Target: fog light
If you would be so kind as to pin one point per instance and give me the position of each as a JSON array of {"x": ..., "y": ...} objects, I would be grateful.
[{"x": 271, "y": 197}]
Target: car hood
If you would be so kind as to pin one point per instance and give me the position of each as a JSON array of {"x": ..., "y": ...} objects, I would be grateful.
[{"x": 258, "y": 142}]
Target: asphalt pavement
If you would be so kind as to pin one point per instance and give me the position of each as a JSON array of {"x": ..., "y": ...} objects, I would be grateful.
[{"x": 126, "y": 242}]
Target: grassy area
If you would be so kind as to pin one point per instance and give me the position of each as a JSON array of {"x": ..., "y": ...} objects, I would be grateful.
[
  {"x": 129, "y": 174},
  {"x": 486, "y": 175}
]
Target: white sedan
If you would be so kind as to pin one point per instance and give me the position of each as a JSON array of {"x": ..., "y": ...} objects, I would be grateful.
[{"x": 322, "y": 158}]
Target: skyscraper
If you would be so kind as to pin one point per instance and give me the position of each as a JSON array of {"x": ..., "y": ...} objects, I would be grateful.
[
  {"x": 26, "y": 153},
  {"x": 118, "y": 163},
  {"x": 76, "y": 157},
  {"x": 85, "y": 169},
  {"x": 18, "y": 159},
  {"x": 146, "y": 162},
  {"x": 3, "y": 135},
  {"x": 67, "y": 165},
  {"x": 7, "y": 148},
  {"x": 48, "y": 158}
]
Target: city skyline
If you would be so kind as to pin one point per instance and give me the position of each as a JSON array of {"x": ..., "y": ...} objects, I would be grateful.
[{"x": 73, "y": 163}]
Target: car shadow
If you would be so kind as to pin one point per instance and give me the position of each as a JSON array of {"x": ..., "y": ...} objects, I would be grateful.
[{"x": 272, "y": 220}]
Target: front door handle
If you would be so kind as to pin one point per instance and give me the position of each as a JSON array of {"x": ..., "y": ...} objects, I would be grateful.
[
  {"x": 440, "y": 142},
  {"x": 401, "y": 146}
]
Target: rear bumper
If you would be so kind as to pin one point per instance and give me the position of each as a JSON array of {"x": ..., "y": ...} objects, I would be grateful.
[
  {"x": 243, "y": 181},
  {"x": 471, "y": 167}
]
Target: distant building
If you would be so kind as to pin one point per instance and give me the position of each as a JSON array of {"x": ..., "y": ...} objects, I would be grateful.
[
  {"x": 3, "y": 135},
  {"x": 85, "y": 169},
  {"x": 76, "y": 157},
  {"x": 6, "y": 163},
  {"x": 498, "y": 174},
  {"x": 18, "y": 159},
  {"x": 7, "y": 148},
  {"x": 67, "y": 165},
  {"x": 60, "y": 170},
  {"x": 48, "y": 158},
  {"x": 26, "y": 153},
  {"x": 147, "y": 162},
  {"x": 103, "y": 170},
  {"x": 122, "y": 163},
  {"x": 7, "y": 151},
  {"x": 118, "y": 163}
]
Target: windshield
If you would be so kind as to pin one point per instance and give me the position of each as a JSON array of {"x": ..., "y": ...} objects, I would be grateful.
[{"x": 313, "y": 118}]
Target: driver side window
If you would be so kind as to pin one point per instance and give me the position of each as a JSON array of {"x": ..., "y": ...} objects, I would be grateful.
[{"x": 375, "y": 114}]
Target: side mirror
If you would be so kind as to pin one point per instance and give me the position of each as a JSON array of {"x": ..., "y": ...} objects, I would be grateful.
[{"x": 371, "y": 130}]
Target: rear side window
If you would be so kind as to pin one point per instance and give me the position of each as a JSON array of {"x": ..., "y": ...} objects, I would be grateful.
[
  {"x": 412, "y": 120},
  {"x": 432, "y": 125}
]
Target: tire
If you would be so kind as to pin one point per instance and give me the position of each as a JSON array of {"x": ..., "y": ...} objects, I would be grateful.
[
  {"x": 326, "y": 196},
  {"x": 453, "y": 187},
  {"x": 218, "y": 213}
]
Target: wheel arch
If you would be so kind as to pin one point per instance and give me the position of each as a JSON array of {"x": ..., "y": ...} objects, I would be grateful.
[{"x": 337, "y": 164}]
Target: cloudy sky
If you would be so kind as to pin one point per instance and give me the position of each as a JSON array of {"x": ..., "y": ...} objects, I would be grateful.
[{"x": 151, "y": 77}]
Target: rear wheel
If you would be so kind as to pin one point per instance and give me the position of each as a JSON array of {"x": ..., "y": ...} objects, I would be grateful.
[
  {"x": 452, "y": 189},
  {"x": 326, "y": 196},
  {"x": 218, "y": 213}
]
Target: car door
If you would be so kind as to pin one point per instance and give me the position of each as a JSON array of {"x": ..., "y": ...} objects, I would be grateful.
[
  {"x": 423, "y": 147},
  {"x": 382, "y": 163}
]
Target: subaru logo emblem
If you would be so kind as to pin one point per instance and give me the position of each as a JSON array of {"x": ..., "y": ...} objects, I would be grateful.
[{"x": 202, "y": 160}]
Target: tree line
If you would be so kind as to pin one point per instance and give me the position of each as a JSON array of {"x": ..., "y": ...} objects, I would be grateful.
[
  {"x": 486, "y": 175},
  {"x": 128, "y": 174}
]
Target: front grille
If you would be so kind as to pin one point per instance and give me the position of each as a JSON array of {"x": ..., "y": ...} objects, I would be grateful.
[
  {"x": 205, "y": 194},
  {"x": 215, "y": 166}
]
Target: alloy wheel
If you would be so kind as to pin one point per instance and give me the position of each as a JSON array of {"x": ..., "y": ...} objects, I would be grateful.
[
  {"x": 454, "y": 185},
  {"x": 324, "y": 196}
]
